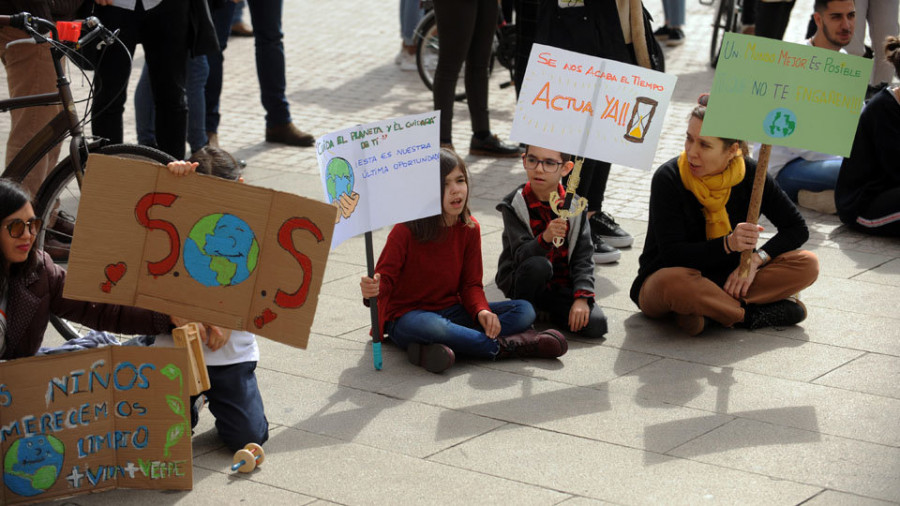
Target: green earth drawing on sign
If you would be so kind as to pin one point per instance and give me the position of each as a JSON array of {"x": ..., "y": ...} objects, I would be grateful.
[
  {"x": 221, "y": 250},
  {"x": 780, "y": 123},
  {"x": 33, "y": 464},
  {"x": 338, "y": 178}
]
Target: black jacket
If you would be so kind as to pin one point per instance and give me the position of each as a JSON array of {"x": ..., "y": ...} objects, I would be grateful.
[{"x": 676, "y": 230}]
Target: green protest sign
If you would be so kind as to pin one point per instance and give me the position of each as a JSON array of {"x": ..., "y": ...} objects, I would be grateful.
[{"x": 785, "y": 94}]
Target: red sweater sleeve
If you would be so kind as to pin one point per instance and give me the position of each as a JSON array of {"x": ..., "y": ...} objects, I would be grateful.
[
  {"x": 389, "y": 266},
  {"x": 471, "y": 287}
]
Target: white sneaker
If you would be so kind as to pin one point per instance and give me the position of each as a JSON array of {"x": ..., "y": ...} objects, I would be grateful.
[
  {"x": 405, "y": 60},
  {"x": 822, "y": 202}
]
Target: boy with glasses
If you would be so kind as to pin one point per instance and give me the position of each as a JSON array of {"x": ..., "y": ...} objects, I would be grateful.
[{"x": 546, "y": 259}]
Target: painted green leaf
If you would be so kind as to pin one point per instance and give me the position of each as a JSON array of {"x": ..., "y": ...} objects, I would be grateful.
[
  {"x": 175, "y": 404},
  {"x": 171, "y": 371},
  {"x": 173, "y": 435}
]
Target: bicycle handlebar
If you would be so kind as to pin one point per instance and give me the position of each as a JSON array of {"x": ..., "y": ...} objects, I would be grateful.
[{"x": 35, "y": 26}]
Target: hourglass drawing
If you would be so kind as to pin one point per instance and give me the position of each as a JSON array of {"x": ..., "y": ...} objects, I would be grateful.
[{"x": 642, "y": 114}]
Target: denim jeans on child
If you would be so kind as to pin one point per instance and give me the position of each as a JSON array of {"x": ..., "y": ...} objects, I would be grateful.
[
  {"x": 235, "y": 401},
  {"x": 144, "y": 107},
  {"x": 454, "y": 327}
]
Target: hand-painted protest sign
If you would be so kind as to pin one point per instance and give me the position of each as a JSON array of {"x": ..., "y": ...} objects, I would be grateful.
[
  {"x": 199, "y": 247},
  {"x": 94, "y": 420},
  {"x": 592, "y": 107},
  {"x": 786, "y": 94},
  {"x": 381, "y": 173}
]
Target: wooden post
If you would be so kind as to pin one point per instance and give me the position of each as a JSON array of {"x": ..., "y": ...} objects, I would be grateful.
[
  {"x": 188, "y": 336},
  {"x": 759, "y": 182},
  {"x": 638, "y": 36}
]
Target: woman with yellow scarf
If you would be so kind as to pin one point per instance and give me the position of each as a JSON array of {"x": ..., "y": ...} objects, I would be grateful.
[{"x": 696, "y": 233}]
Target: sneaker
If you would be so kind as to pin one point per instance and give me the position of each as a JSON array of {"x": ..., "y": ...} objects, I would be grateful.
[
  {"x": 783, "y": 313},
  {"x": 676, "y": 37},
  {"x": 691, "y": 324},
  {"x": 290, "y": 135},
  {"x": 662, "y": 33},
  {"x": 434, "y": 358},
  {"x": 822, "y": 202},
  {"x": 196, "y": 408},
  {"x": 493, "y": 146},
  {"x": 604, "y": 253},
  {"x": 406, "y": 60},
  {"x": 604, "y": 226},
  {"x": 532, "y": 343}
]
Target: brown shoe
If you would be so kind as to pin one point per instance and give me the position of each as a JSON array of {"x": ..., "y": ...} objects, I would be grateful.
[
  {"x": 493, "y": 146},
  {"x": 289, "y": 134},
  {"x": 531, "y": 343},
  {"x": 241, "y": 29},
  {"x": 435, "y": 358}
]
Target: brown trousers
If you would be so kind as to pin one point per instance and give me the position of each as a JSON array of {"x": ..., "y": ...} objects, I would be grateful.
[
  {"x": 685, "y": 291},
  {"x": 29, "y": 70}
]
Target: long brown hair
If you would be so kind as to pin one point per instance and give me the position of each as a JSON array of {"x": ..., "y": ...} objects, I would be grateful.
[
  {"x": 432, "y": 228},
  {"x": 12, "y": 198},
  {"x": 892, "y": 52}
]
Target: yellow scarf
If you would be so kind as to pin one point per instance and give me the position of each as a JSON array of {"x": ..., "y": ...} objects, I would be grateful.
[{"x": 713, "y": 192}]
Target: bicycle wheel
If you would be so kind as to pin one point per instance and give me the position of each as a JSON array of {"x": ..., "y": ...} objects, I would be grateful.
[
  {"x": 725, "y": 21},
  {"x": 58, "y": 198},
  {"x": 427, "y": 49}
]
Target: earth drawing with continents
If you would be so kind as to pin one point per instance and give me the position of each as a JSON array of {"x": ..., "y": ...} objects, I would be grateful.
[
  {"x": 221, "y": 250},
  {"x": 32, "y": 464},
  {"x": 338, "y": 178}
]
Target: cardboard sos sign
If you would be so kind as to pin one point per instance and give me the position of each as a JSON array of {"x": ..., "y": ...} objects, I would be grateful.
[{"x": 199, "y": 247}]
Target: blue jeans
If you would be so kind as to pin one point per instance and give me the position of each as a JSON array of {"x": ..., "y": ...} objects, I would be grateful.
[
  {"x": 410, "y": 15},
  {"x": 238, "y": 12},
  {"x": 235, "y": 401},
  {"x": 800, "y": 174},
  {"x": 674, "y": 12},
  {"x": 265, "y": 16},
  {"x": 144, "y": 107},
  {"x": 454, "y": 328}
]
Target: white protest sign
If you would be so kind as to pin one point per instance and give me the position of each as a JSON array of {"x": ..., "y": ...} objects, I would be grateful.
[
  {"x": 381, "y": 173},
  {"x": 592, "y": 107}
]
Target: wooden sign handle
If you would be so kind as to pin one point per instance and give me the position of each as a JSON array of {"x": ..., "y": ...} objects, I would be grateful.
[{"x": 759, "y": 182}]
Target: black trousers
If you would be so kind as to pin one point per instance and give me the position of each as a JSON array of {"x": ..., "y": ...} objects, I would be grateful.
[
  {"x": 163, "y": 32},
  {"x": 466, "y": 28}
]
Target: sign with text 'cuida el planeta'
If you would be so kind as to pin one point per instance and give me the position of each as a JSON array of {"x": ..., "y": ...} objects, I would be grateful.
[
  {"x": 786, "y": 94},
  {"x": 94, "y": 420},
  {"x": 199, "y": 247}
]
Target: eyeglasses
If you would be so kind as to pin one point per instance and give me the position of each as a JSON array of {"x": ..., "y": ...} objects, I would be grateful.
[
  {"x": 17, "y": 227},
  {"x": 532, "y": 162}
]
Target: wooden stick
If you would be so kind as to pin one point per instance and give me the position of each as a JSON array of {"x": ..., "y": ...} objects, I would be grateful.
[
  {"x": 638, "y": 36},
  {"x": 759, "y": 182},
  {"x": 377, "y": 336},
  {"x": 188, "y": 336}
]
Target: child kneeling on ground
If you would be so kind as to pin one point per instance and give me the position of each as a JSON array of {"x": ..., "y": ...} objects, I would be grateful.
[
  {"x": 430, "y": 295},
  {"x": 546, "y": 259}
]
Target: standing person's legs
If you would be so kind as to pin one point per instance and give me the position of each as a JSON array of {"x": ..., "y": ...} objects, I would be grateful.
[
  {"x": 526, "y": 29},
  {"x": 144, "y": 116},
  {"x": 857, "y": 44},
  {"x": 478, "y": 59},
  {"x": 167, "y": 61},
  {"x": 222, "y": 21},
  {"x": 265, "y": 15},
  {"x": 772, "y": 18},
  {"x": 111, "y": 77},
  {"x": 235, "y": 401},
  {"x": 884, "y": 20},
  {"x": 29, "y": 70},
  {"x": 456, "y": 24},
  {"x": 197, "y": 74},
  {"x": 410, "y": 15}
]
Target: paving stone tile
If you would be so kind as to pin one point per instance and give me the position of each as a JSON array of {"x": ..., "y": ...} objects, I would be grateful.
[{"x": 871, "y": 373}]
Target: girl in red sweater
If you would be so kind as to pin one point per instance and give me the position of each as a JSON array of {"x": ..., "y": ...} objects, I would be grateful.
[{"x": 430, "y": 294}]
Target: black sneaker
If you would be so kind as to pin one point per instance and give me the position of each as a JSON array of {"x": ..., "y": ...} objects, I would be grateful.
[
  {"x": 783, "y": 313},
  {"x": 676, "y": 37},
  {"x": 493, "y": 146},
  {"x": 604, "y": 226},
  {"x": 603, "y": 252},
  {"x": 662, "y": 33}
]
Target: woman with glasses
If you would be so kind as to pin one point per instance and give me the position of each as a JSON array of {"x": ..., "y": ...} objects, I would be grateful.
[
  {"x": 696, "y": 234},
  {"x": 31, "y": 286}
]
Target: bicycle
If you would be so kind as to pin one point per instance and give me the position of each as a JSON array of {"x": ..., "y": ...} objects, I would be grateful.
[
  {"x": 58, "y": 196},
  {"x": 728, "y": 19},
  {"x": 428, "y": 46}
]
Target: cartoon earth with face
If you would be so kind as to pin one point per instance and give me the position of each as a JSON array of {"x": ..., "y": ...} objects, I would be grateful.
[
  {"x": 33, "y": 464},
  {"x": 338, "y": 178},
  {"x": 221, "y": 250}
]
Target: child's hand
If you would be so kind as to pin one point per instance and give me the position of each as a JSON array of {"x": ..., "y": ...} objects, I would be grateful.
[
  {"x": 215, "y": 336},
  {"x": 579, "y": 314},
  {"x": 182, "y": 168},
  {"x": 556, "y": 228},
  {"x": 369, "y": 286},
  {"x": 490, "y": 323}
]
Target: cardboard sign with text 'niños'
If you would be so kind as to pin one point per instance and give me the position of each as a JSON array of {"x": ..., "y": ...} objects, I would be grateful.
[
  {"x": 94, "y": 420},
  {"x": 592, "y": 107},
  {"x": 785, "y": 94},
  {"x": 199, "y": 247},
  {"x": 381, "y": 173}
]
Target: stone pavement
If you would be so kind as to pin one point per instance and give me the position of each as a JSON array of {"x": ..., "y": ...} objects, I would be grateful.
[{"x": 807, "y": 414}]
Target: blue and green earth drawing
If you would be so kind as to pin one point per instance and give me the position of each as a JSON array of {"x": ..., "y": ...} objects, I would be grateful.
[
  {"x": 780, "y": 123},
  {"x": 221, "y": 250},
  {"x": 32, "y": 464},
  {"x": 338, "y": 178}
]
